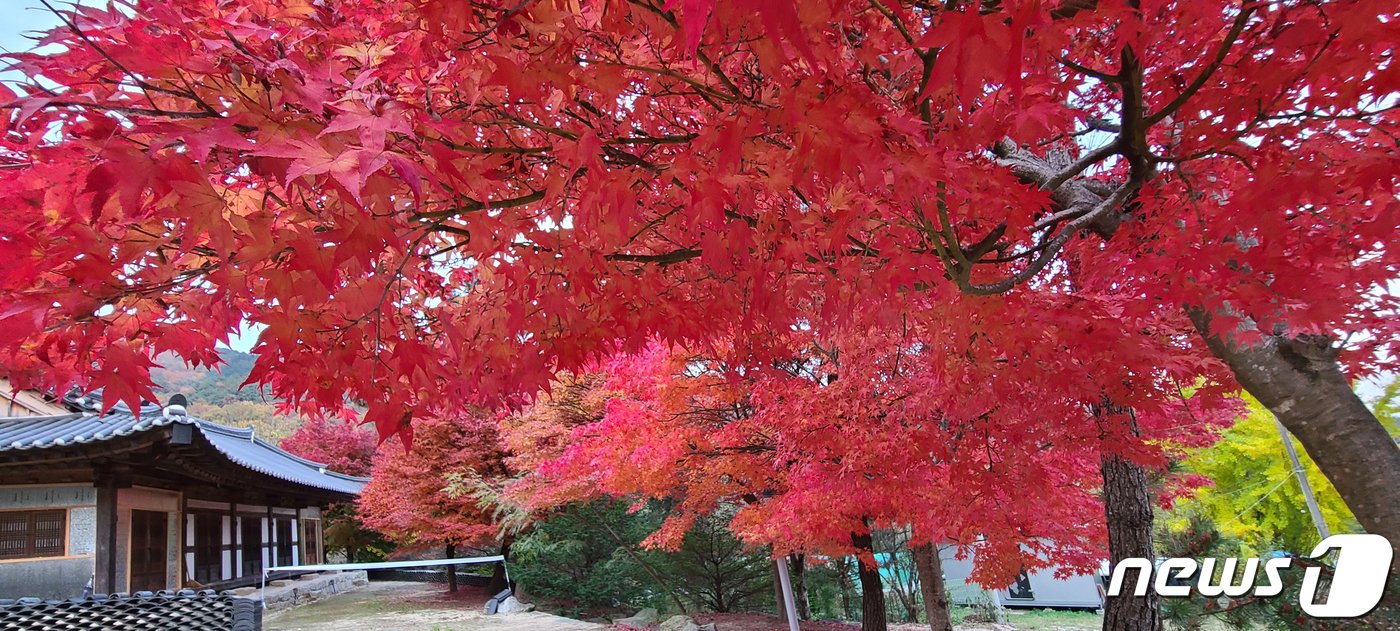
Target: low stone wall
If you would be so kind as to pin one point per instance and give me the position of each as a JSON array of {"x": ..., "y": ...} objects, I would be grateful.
[
  {"x": 428, "y": 575},
  {"x": 308, "y": 588}
]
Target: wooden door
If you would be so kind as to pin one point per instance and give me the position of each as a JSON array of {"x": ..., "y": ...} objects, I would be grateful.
[{"x": 149, "y": 540}]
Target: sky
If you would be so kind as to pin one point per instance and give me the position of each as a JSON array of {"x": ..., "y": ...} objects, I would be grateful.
[{"x": 18, "y": 17}]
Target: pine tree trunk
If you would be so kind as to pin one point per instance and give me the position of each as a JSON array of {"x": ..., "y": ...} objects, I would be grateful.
[
  {"x": 452, "y": 569},
  {"x": 872, "y": 592},
  {"x": 931, "y": 587},
  {"x": 1128, "y": 509},
  {"x": 798, "y": 566},
  {"x": 1300, "y": 381}
]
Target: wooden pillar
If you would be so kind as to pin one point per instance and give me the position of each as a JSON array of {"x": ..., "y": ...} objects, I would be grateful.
[
  {"x": 296, "y": 540},
  {"x": 271, "y": 536},
  {"x": 182, "y": 526},
  {"x": 235, "y": 539},
  {"x": 105, "y": 557},
  {"x": 321, "y": 539}
]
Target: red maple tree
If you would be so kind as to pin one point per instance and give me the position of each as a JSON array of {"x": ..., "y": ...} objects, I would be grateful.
[
  {"x": 422, "y": 498},
  {"x": 341, "y": 445},
  {"x": 433, "y": 205},
  {"x": 860, "y": 431}
]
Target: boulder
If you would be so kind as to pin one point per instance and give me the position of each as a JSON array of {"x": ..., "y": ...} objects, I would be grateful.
[
  {"x": 513, "y": 605},
  {"x": 707, "y": 627},
  {"x": 640, "y": 620},
  {"x": 678, "y": 623}
]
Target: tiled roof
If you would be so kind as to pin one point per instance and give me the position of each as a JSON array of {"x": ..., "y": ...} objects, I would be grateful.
[{"x": 239, "y": 445}]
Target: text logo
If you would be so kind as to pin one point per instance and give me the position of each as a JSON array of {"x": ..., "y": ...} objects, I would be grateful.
[{"x": 1363, "y": 564}]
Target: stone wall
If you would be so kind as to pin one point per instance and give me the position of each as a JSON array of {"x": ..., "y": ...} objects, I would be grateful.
[{"x": 308, "y": 588}]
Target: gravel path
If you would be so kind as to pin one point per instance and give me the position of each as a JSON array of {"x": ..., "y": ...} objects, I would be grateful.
[{"x": 398, "y": 606}]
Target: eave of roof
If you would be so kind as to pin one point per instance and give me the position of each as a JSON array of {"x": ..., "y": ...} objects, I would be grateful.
[{"x": 240, "y": 445}]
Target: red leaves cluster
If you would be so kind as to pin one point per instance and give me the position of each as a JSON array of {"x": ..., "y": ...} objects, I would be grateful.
[
  {"x": 874, "y": 428},
  {"x": 339, "y": 444},
  {"x": 431, "y": 206}
]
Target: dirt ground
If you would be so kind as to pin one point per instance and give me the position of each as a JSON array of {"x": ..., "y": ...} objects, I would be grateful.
[
  {"x": 402, "y": 606},
  {"x": 398, "y": 606}
]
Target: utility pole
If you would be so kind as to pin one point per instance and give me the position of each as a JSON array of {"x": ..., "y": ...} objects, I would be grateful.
[
  {"x": 1322, "y": 531},
  {"x": 788, "y": 604}
]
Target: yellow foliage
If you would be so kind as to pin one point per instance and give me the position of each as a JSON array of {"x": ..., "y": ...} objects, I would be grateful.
[{"x": 1255, "y": 497}]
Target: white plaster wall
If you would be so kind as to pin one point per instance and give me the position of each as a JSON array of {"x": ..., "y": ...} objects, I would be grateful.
[{"x": 44, "y": 496}]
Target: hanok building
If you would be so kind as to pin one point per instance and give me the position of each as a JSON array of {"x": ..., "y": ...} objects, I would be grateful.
[{"x": 159, "y": 500}]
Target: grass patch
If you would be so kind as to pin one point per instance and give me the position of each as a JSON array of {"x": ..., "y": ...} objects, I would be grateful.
[
  {"x": 343, "y": 607},
  {"x": 1051, "y": 620},
  {"x": 1037, "y": 619}
]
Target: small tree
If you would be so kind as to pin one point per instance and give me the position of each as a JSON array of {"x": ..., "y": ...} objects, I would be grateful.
[
  {"x": 411, "y": 498},
  {"x": 587, "y": 560},
  {"x": 717, "y": 571},
  {"x": 1254, "y": 497}
]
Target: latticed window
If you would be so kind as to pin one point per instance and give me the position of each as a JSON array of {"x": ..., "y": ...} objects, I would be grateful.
[
  {"x": 251, "y": 540},
  {"x": 311, "y": 541},
  {"x": 208, "y": 547},
  {"x": 33, "y": 533}
]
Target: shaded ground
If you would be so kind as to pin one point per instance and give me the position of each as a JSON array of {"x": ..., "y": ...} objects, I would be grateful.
[
  {"x": 399, "y": 606},
  {"x": 1038, "y": 620}
]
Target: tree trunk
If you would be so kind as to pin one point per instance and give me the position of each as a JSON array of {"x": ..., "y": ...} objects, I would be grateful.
[
  {"x": 1128, "y": 509},
  {"x": 1300, "y": 381},
  {"x": 798, "y": 565},
  {"x": 872, "y": 592},
  {"x": 843, "y": 569},
  {"x": 452, "y": 569},
  {"x": 646, "y": 567},
  {"x": 931, "y": 587},
  {"x": 499, "y": 582}
]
